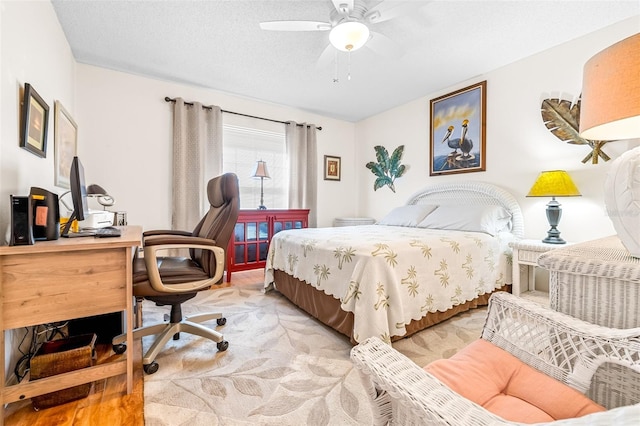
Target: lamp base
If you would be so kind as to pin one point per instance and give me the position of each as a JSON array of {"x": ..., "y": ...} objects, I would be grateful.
[
  {"x": 554, "y": 213},
  {"x": 552, "y": 239},
  {"x": 262, "y": 208}
]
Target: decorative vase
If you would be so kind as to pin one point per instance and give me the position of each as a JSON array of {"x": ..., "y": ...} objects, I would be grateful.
[{"x": 622, "y": 199}]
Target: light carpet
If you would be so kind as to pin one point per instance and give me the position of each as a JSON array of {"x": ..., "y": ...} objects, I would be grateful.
[{"x": 282, "y": 367}]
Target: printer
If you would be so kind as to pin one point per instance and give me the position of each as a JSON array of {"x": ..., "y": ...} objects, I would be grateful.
[{"x": 97, "y": 219}]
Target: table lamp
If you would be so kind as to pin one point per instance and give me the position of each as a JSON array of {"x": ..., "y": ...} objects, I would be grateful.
[
  {"x": 554, "y": 183},
  {"x": 101, "y": 195},
  {"x": 610, "y": 110},
  {"x": 261, "y": 172}
]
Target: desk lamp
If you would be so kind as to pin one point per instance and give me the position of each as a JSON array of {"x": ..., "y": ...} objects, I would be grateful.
[
  {"x": 101, "y": 195},
  {"x": 610, "y": 110},
  {"x": 261, "y": 172},
  {"x": 554, "y": 183}
]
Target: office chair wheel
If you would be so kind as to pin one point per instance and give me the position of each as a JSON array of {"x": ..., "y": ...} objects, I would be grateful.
[
  {"x": 221, "y": 321},
  {"x": 150, "y": 368},
  {"x": 223, "y": 346},
  {"x": 120, "y": 348}
]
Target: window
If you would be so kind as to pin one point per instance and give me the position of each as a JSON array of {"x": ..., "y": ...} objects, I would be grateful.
[{"x": 246, "y": 141}]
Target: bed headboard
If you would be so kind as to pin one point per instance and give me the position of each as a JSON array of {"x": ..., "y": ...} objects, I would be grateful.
[{"x": 472, "y": 193}]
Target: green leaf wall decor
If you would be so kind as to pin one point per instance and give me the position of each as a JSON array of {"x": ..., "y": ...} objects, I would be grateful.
[{"x": 387, "y": 169}]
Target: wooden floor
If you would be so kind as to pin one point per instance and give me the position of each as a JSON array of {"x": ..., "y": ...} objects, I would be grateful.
[{"x": 107, "y": 403}]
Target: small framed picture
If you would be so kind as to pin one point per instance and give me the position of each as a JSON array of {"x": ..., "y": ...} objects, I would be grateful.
[
  {"x": 35, "y": 119},
  {"x": 331, "y": 167},
  {"x": 66, "y": 144}
]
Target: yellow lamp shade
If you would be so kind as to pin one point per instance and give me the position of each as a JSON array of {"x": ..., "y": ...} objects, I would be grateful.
[{"x": 554, "y": 183}]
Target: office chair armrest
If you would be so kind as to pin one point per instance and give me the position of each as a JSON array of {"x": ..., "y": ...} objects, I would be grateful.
[
  {"x": 165, "y": 232},
  {"x": 151, "y": 261},
  {"x": 184, "y": 241}
]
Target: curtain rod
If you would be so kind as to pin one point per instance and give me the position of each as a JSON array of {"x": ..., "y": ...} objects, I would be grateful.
[{"x": 168, "y": 99}]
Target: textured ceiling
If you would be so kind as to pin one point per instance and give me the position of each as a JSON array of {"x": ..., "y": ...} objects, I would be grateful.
[{"x": 219, "y": 45}]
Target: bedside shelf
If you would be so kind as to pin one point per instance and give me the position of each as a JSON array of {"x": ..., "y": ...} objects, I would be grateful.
[{"x": 525, "y": 260}]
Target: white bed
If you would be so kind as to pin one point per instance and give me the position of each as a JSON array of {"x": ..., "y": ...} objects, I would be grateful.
[{"x": 405, "y": 273}]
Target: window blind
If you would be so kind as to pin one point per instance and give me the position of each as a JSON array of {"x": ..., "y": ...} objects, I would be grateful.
[{"x": 242, "y": 147}]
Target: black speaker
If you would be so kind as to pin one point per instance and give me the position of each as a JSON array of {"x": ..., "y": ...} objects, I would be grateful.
[{"x": 21, "y": 221}]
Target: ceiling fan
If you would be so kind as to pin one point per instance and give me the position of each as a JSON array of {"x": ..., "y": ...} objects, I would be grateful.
[{"x": 348, "y": 24}]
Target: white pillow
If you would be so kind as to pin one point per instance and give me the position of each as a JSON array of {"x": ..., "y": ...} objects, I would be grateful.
[
  {"x": 490, "y": 219},
  {"x": 409, "y": 215}
]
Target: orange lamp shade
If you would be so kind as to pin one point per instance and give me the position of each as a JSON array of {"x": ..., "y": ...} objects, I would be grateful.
[{"x": 610, "y": 105}]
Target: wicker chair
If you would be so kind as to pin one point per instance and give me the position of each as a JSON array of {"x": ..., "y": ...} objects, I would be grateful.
[{"x": 572, "y": 351}]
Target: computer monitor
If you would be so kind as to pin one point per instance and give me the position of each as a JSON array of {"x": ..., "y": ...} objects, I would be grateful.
[{"x": 78, "y": 195}]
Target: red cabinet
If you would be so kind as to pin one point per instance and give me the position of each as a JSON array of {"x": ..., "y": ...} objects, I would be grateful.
[{"x": 249, "y": 244}]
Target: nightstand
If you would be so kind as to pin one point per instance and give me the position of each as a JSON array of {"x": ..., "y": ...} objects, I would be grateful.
[
  {"x": 525, "y": 260},
  {"x": 596, "y": 281}
]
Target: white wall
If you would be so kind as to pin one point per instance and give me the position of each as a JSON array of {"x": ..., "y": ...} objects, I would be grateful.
[
  {"x": 42, "y": 58},
  {"x": 33, "y": 50},
  {"x": 125, "y": 137},
  {"x": 519, "y": 146}
]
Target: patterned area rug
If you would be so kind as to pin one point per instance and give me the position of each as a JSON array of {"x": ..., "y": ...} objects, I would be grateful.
[{"x": 282, "y": 366}]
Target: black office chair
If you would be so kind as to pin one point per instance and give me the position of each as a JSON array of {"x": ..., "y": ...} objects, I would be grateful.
[{"x": 173, "y": 280}]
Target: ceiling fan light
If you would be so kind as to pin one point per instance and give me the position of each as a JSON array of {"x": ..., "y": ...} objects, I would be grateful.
[{"x": 349, "y": 36}]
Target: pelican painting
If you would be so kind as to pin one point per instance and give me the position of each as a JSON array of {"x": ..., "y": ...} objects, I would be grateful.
[{"x": 458, "y": 131}]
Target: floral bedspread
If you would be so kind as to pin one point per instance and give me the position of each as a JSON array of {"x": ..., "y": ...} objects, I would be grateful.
[{"x": 390, "y": 275}]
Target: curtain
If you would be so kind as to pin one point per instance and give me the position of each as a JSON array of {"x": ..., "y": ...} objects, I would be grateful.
[
  {"x": 303, "y": 178},
  {"x": 197, "y": 157}
]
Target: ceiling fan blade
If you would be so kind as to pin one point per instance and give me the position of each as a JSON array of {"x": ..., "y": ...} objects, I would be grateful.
[
  {"x": 384, "y": 46},
  {"x": 295, "y": 26},
  {"x": 387, "y": 10},
  {"x": 327, "y": 57},
  {"x": 344, "y": 7}
]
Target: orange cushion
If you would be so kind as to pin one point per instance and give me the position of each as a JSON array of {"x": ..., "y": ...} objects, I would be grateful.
[{"x": 504, "y": 385}]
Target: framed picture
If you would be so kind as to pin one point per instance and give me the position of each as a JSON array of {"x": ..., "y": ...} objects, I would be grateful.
[
  {"x": 458, "y": 131},
  {"x": 331, "y": 167},
  {"x": 66, "y": 144},
  {"x": 35, "y": 119}
]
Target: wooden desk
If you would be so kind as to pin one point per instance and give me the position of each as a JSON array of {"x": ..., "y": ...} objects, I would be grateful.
[{"x": 66, "y": 279}]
